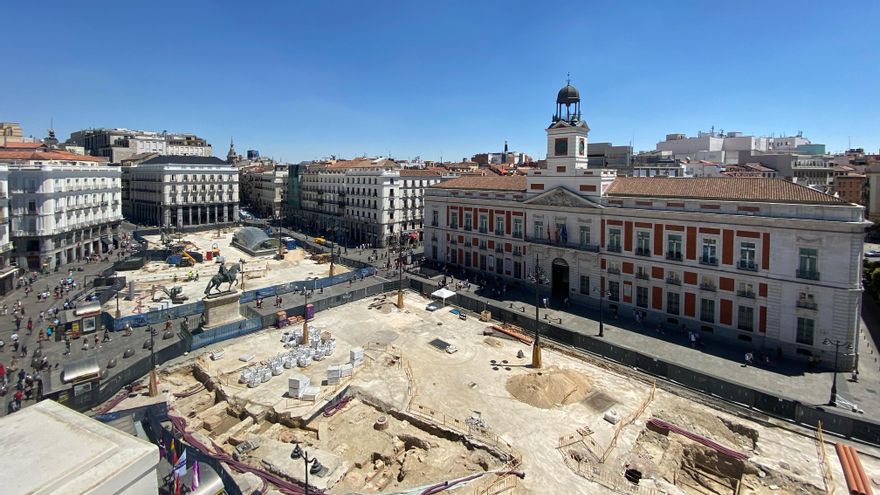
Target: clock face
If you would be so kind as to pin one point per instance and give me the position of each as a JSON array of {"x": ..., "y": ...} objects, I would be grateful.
[
  {"x": 581, "y": 147},
  {"x": 561, "y": 147}
]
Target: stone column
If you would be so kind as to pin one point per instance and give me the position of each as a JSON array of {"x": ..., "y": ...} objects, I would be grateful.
[{"x": 190, "y": 211}]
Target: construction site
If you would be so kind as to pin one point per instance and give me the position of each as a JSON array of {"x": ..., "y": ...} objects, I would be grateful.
[
  {"x": 404, "y": 401},
  {"x": 195, "y": 257}
]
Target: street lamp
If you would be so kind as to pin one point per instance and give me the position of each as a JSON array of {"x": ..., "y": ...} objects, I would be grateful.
[
  {"x": 538, "y": 278},
  {"x": 315, "y": 468},
  {"x": 837, "y": 344},
  {"x": 602, "y": 294}
]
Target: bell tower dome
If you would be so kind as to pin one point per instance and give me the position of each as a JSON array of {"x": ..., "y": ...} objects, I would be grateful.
[{"x": 567, "y": 134}]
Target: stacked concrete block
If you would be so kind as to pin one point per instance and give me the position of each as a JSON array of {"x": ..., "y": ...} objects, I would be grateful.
[
  {"x": 297, "y": 384},
  {"x": 356, "y": 356}
]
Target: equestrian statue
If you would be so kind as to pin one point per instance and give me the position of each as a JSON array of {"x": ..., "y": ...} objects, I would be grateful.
[{"x": 224, "y": 275}]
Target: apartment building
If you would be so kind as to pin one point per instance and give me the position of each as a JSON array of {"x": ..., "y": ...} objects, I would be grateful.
[
  {"x": 263, "y": 188},
  {"x": 182, "y": 192},
  {"x": 118, "y": 144},
  {"x": 64, "y": 207},
  {"x": 759, "y": 260},
  {"x": 372, "y": 201}
]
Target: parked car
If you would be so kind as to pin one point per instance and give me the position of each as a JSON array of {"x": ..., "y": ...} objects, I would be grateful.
[{"x": 872, "y": 254}]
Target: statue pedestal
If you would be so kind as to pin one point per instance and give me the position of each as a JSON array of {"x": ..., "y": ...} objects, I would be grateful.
[{"x": 221, "y": 309}]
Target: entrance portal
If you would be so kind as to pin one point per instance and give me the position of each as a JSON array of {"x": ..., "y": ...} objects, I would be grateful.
[{"x": 559, "y": 278}]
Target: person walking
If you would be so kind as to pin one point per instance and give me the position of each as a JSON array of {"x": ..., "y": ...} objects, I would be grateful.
[{"x": 30, "y": 325}]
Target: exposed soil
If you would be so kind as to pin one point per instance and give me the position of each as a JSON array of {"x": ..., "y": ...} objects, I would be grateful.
[{"x": 550, "y": 387}]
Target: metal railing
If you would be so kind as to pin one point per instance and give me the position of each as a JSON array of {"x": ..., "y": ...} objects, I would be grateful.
[
  {"x": 589, "y": 248},
  {"x": 613, "y": 248},
  {"x": 673, "y": 255},
  {"x": 806, "y": 304},
  {"x": 746, "y": 293},
  {"x": 747, "y": 265},
  {"x": 808, "y": 274},
  {"x": 643, "y": 276},
  {"x": 615, "y": 271},
  {"x": 707, "y": 286},
  {"x": 643, "y": 252},
  {"x": 673, "y": 280},
  {"x": 709, "y": 260}
]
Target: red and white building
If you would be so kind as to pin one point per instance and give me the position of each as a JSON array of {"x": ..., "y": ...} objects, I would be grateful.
[{"x": 761, "y": 260}]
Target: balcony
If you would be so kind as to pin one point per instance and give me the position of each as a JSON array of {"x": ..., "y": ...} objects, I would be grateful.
[
  {"x": 499, "y": 232},
  {"x": 747, "y": 265},
  {"x": 643, "y": 276},
  {"x": 643, "y": 252},
  {"x": 613, "y": 248},
  {"x": 673, "y": 255},
  {"x": 453, "y": 225},
  {"x": 483, "y": 230},
  {"x": 746, "y": 293},
  {"x": 579, "y": 247},
  {"x": 807, "y": 304},
  {"x": 708, "y": 286},
  {"x": 482, "y": 247},
  {"x": 468, "y": 228},
  {"x": 808, "y": 274},
  {"x": 517, "y": 253},
  {"x": 673, "y": 280},
  {"x": 614, "y": 270},
  {"x": 435, "y": 224},
  {"x": 708, "y": 260}
]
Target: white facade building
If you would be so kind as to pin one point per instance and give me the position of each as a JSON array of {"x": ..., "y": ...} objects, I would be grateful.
[
  {"x": 120, "y": 144},
  {"x": 263, "y": 188},
  {"x": 6, "y": 268},
  {"x": 65, "y": 207},
  {"x": 370, "y": 201},
  {"x": 756, "y": 260},
  {"x": 712, "y": 146},
  {"x": 182, "y": 192}
]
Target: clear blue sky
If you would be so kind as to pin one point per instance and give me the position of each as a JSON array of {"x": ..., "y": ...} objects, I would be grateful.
[{"x": 302, "y": 80}]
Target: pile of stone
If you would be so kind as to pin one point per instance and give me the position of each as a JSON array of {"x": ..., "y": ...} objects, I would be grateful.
[{"x": 297, "y": 384}]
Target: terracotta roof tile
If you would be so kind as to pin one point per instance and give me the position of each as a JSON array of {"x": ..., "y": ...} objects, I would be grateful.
[
  {"x": 21, "y": 146},
  {"x": 487, "y": 182},
  {"x": 720, "y": 188},
  {"x": 48, "y": 155}
]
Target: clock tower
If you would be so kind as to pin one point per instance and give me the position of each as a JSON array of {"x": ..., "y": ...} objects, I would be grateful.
[{"x": 567, "y": 134}]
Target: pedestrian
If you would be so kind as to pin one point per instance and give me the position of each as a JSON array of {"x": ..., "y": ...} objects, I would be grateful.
[
  {"x": 66, "y": 347},
  {"x": 106, "y": 337},
  {"x": 748, "y": 359},
  {"x": 85, "y": 345},
  {"x": 693, "y": 339},
  {"x": 30, "y": 325},
  {"x": 19, "y": 395}
]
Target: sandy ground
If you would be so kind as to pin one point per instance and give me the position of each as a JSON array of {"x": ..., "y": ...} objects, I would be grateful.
[
  {"x": 260, "y": 271},
  {"x": 403, "y": 371}
]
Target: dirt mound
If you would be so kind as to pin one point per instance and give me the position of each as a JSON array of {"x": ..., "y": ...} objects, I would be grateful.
[{"x": 550, "y": 387}]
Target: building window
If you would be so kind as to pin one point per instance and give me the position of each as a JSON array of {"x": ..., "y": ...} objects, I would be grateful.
[
  {"x": 468, "y": 222},
  {"x": 453, "y": 222},
  {"x": 434, "y": 218},
  {"x": 745, "y": 318},
  {"x": 560, "y": 146},
  {"x": 805, "y": 328},
  {"x": 484, "y": 222},
  {"x": 643, "y": 243},
  {"x": 499, "y": 225},
  {"x": 747, "y": 256},
  {"x": 613, "y": 290},
  {"x": 642, "y": 297},
  {"x": 710, "y": 249},
  {"x": 672, "y": 302},
  {"x": 673, "y": 247},
  {"x": 808, "y": 264},
  {"x": 746, "y": 290},
  {"x": 584, "y": 236},
  {"x": 707, "y": 310},
  {"x": 585, "y": 284},
  {"x": 538, "y": 233},
  {"x": 517, "y": 228},
  {"x": 614, "y": 240}
]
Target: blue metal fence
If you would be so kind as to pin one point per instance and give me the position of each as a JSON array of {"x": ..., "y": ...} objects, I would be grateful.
[{"x": 224, "y": 332}]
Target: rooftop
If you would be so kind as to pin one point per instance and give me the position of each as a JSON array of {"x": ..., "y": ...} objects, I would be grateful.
[
  {"x": 47, "y": 155},
  {"x": 76, "y": 454},
  {"x": 721, "y": 188},
  {"x": 486, "y": 182},
  {"x": 21, "y": 145},
  {"x": 185, "y": 160},
  {"x": 409, "y": 172}
]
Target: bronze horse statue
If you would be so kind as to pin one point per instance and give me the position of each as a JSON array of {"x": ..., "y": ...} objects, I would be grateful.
[{"x": 229, "y": 276}]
